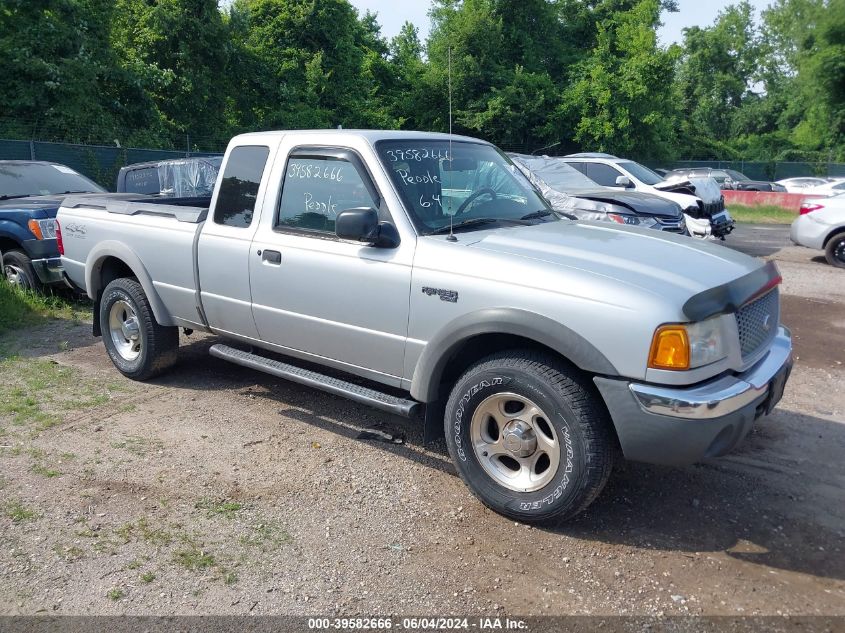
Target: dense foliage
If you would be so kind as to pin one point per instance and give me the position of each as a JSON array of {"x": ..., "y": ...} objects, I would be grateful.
[{"x": 569, "y": 74}]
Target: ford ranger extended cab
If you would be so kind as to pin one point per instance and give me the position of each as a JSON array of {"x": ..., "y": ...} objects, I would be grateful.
[{"x": 424, "y": 275}]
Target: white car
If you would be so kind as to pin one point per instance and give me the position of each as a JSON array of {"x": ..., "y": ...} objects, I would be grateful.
[
  {"x": 834, "y": 187},
  {"x": 802, "y": 184},
  {"x": 821, "y": 226},
  {"x": 700, "y": 198}
]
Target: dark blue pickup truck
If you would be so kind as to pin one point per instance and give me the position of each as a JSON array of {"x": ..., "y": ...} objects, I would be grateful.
[{"x": 30, "y": 195}]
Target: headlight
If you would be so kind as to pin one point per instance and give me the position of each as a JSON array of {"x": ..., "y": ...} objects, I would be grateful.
[
  {"x": 687, "y": 345},
  {"x": 632, "y": 220},
  {"x": 43, "y": 229}
]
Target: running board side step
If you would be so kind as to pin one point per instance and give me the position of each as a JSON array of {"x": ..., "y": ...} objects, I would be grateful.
[{"x": 316, "y": 380}]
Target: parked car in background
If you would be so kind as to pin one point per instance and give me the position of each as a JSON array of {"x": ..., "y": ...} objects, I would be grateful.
[
  {"x": 821, "y": 225},
  {"x": 699, "y": 198},
  {"x": 801, "y": 183},
  {"x": 833, "y": 187},
  {"x": 571, "y": 192},
  {"x": 30, "y": 195},
  {"x": 430, "y": 266},
  {"x": 178, "y": 177},
  {"x": 729, "y": 179}
]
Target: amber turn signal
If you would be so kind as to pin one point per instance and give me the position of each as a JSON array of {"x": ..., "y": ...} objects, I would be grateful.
[
  {"x": 670, "y": 348},
  {"x": 36, "y": 229}
]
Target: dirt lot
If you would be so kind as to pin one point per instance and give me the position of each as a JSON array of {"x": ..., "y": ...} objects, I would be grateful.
[{"x": 220, "y": 490}]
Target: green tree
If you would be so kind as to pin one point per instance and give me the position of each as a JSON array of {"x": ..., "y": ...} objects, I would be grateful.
[
  {"x": 178, "y": 51},
  {"x": 61, "y": 80},
  {"x": 621, "y": 96}
]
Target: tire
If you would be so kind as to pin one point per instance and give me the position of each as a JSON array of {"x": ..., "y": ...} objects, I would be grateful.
[
  {"x": 834, "y": 252},
  {"x": 138, "y": 346},
  {"x": 569, "y": 420},
  {"x": 18, "y": 270}
]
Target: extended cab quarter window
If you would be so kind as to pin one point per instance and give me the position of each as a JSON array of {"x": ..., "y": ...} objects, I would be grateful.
[
  {"x": 316, "y": 189},
  {"x": 239, "y": 187}
]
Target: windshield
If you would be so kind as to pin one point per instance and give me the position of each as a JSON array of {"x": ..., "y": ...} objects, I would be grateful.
[
  {"x": 42, "y": 179},
  {"x": 642, "y": 173},
  {"x": 471, "y": 181},
  {"x": 556, "y": 174}
]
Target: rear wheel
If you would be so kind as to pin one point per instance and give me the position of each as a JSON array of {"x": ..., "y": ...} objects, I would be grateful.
[
  {"x": 18, "y": 270},
  {"x": 529, "y": 436},
  {"x": 138, "y": 346},
  {"x": 834, "y": 252}
]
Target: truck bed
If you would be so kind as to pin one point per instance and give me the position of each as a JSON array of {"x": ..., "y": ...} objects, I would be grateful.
[{"x": 162, "y": 235}]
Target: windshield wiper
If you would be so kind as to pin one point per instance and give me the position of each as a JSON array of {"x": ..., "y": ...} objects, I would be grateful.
[
  {"x": 468, "y": 224},
  {"x": 542, "y": 213},
  {"x": 8, "y": 197}
]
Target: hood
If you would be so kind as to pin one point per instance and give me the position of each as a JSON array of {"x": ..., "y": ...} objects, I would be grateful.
[
  {"x": 705, "y": 188},
  {"x": 671, "y": 267},
  {"x": 640, "y": 203}
]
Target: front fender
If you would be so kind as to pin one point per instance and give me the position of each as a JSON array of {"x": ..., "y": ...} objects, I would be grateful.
[
  {"x": 13, "y": 231},
  {"x": 432, "y": 363},
  {"x": 93, "y": 279}
]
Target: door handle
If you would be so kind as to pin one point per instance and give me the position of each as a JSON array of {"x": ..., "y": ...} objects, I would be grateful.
[{"x": 271, "y": 257}]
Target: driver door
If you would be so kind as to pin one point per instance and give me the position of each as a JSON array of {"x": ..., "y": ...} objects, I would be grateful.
[{"x": 321, "y": 296}]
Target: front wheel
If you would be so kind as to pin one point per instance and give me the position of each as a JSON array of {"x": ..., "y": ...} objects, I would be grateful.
[
  {"x": 18, "y": 270},
  {"x": 834, "y": 252},
  {"x": 529, "y": 436},
  {"x": 138, "y": 346}
]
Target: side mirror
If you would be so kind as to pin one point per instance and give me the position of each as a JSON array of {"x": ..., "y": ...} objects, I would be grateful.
[
  {"x": 624, "y": 181},
  {"x": 362, "y": 225}
]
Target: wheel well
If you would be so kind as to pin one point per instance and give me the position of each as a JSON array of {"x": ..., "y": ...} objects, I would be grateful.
[
  {"x": 112, "y": 268},
  {"x": 482, "y": 345},
  {"x": 833, "y": 234},
  {"x": 7, "y": 244}
]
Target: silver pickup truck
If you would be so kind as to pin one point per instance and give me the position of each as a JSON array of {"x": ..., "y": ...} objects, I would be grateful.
[{"x": 424, "y": 275}]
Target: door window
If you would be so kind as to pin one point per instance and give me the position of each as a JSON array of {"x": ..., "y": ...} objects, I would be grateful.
[
  {"x": 605, "y": 175},
  {"x": 239, "y": 187},
  {"x": 316, "y": 189}
]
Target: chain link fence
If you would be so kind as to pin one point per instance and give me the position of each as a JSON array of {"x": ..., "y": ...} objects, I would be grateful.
[{"x": 100, "y": 163}]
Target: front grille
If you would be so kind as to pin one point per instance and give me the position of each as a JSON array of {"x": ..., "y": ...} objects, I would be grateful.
[
  {"x": 671, "y": 225},
  {"x": 710, "y": 209},
  {"x": 757, "y": 323}
]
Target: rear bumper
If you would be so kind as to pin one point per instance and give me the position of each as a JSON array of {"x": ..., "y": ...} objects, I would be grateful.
[
  {"x": 679, "y": 426},
  {"x": 805, "y": 231}
]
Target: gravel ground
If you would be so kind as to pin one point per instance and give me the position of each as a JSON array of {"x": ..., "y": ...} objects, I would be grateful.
[{"x": 220, "y": 490}]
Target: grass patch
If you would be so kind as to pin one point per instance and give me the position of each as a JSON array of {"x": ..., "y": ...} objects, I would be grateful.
[
  {"x": 40, "y": 469},
  {"x": 115, "y": 594},
  {"x": 37, "y": 393},
  {"x": 193, "y": 558},
  {"x": 139, "y": 446},
  {"x": 135, "y": 564},
  {"x": 267, "y": 536},
  {"x": 141, "y": 530},
  {"x": 70, "y": 554},
  {"x": 18, "y": 512},
  {"x": 22, "y": 308},
  {"x": 147, "y": 577},
  {"x": 219, "y": 508},
  {"x": 765, "y": 214}
]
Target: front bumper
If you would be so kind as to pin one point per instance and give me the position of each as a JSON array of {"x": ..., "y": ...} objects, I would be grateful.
[
  {"x": 680, "y": 426},
  {"x": 50, "y": 271}
]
